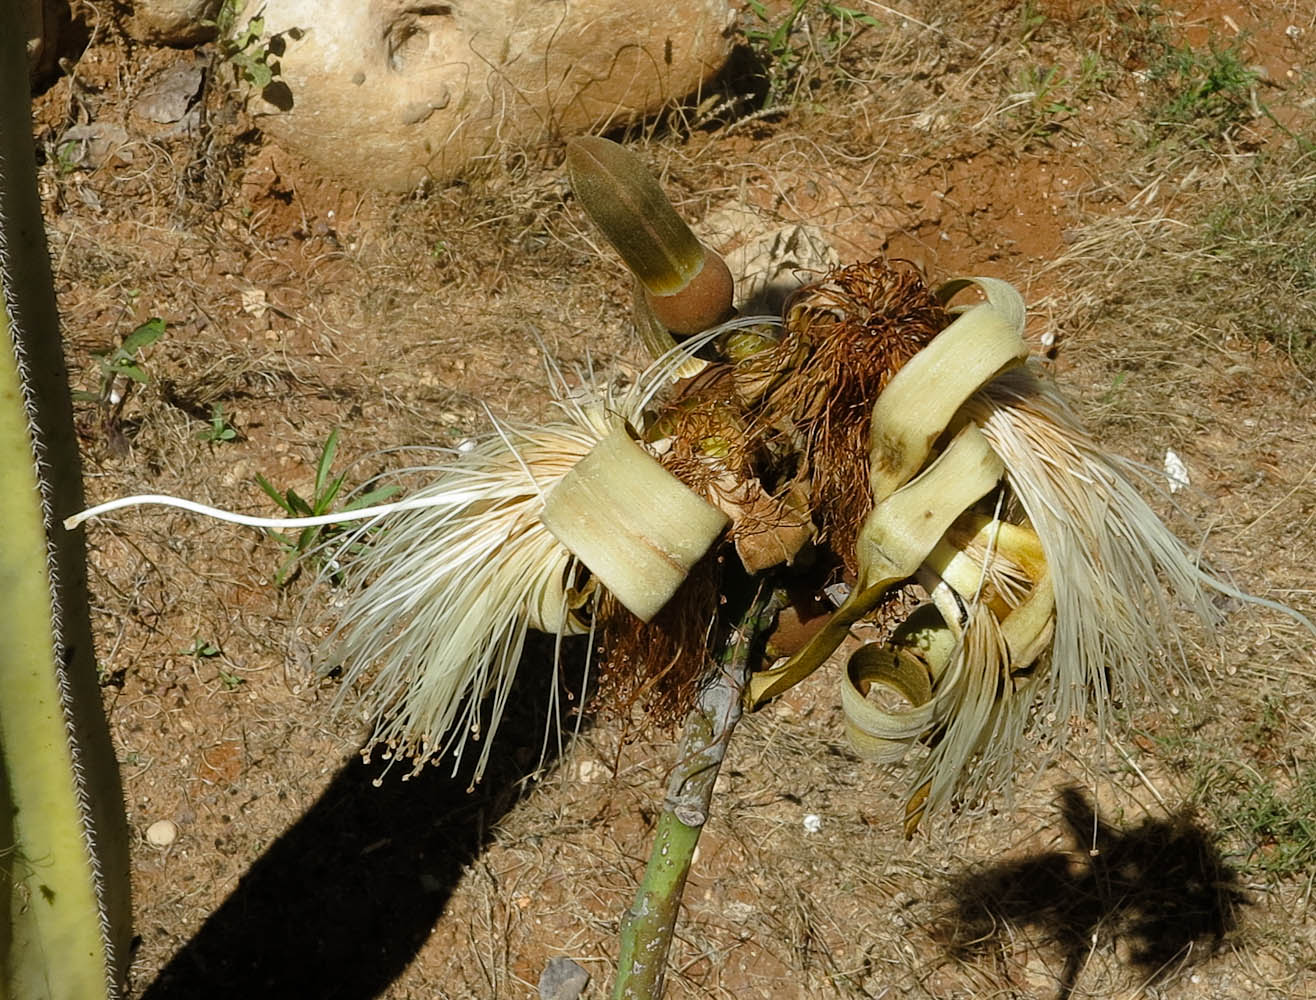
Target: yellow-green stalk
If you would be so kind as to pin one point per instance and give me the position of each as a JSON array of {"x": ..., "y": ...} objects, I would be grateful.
[
  {"x": 64, "y": 910},
  {"x": 647, "y": 928}
]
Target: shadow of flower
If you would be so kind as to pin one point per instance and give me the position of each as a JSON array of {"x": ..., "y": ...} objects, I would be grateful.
[{"x": 1158, "y": 891}]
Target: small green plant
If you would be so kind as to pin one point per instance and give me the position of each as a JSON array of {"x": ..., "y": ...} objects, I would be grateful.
[
  {"x": 785, "y": 48},
  {"x": 324, "y": 492},
  {"x": 1117, "y": 387},
  {"x": 124, "y": 362},
  {"x": 1277, "y": 825},
  {"x": 1211, "y": 89},
  {"x": 247, "y": 50},
  {"x": 1031, "y": 19},
  {"x": 201, "y": 649},
  {"x": 1046, "y": 97},
  {"x": 120, "y": 370},
  {"x": 1265, "y": 814},
  {"x": 231, "y": 682},
  {"x": 68, "y": 156},
  {"x": 1041, "y": 111},
  {"x": 220, "y": 429}
]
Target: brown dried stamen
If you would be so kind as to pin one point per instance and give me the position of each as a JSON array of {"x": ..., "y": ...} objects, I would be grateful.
[
  {"x": 845, "y": 338},
  {"x": 658, "y": 665}
]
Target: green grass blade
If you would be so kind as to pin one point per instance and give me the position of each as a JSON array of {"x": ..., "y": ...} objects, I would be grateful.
[
  {"x": 373, "y": 497},
  {"x": 326, "y": 461},
  {"x": 297, "y": 506},
  {"x": 324, "y": 499},
  {"x": 273, "y": 493}
]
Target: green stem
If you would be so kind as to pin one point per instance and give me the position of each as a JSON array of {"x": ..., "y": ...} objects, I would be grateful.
[
  {"x": 647, "y": 927},
  {"x": 64, "y": 887}
]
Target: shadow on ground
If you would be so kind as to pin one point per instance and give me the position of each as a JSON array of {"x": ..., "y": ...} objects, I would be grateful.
[
  {"x": 1159, "y": 891},
  {"x": 339, "y": 905}
]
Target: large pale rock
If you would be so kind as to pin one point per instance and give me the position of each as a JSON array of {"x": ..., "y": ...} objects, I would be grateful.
[
  {"x": 171, "y": 22},
  {"x": 390, "y": 93}
]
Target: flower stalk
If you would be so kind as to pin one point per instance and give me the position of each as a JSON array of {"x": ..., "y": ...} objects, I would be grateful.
[{"x": 648, "y": 926}]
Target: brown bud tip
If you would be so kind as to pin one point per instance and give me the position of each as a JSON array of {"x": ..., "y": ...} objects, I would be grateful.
[{"x": 703, "y": 303}]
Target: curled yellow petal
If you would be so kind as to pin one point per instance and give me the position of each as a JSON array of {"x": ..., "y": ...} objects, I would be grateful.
[{"x": 637, "y": 527}]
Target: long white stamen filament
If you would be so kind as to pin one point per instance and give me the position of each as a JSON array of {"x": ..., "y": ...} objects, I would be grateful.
[
  {"x": 442, "y": 598},
  {"x": 1119, "y": 571},
  {"x": 164, "y": 500},
  {"x": 443, "y": 586}
]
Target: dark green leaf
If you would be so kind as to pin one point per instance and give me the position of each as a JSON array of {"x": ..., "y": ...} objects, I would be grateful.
[
  {"x": 131, "y": 371},
  {"x": 272, "y": 493},
  {"x": 325, "y": 499},
  {"x": 299, "y": 506}
]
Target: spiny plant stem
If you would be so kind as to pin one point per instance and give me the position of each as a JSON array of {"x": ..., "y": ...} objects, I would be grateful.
[
  {"x": 65, "y": 911},
  {"x": 647, "y": 927}
]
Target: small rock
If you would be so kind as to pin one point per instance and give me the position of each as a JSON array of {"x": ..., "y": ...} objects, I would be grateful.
[
  {"x": 432, "y": 88},
  {"x": 812, "y": 823},
  {"x": 161, "y": 833},
  {"x": 1175, "y": 471},
  {"x": 589, "y": 771},
  {"x": 172, "y": 22},
  {"x": 91, "y": 145},
  {"x": 777, "y": 263},
  {"x": 837, "y": 593},
  {"x": 171, "y": 93},
  {"x": 562, "y": 979}
]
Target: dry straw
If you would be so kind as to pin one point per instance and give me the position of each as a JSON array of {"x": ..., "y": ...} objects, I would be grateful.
[{"x": 845, "y": 337}]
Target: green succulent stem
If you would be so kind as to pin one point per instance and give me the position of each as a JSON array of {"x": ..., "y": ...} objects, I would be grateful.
[
  {"x": 64, "y": 908},
  {"x": 648, "y": 926}
]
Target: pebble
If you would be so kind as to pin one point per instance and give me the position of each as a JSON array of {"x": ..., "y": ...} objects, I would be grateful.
[
  {"x": 562, "y": 979},
  {"x": 589, "y": 771},
  {"x": 161, "y": 833}
]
